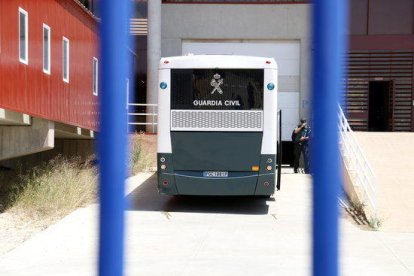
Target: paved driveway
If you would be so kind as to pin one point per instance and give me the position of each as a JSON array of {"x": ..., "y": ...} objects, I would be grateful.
[{"x": 210, "y": 236}]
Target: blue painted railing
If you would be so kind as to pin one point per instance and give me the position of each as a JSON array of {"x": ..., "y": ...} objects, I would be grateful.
[
  {"x": 112, "y": 141},
  {"x": 329, "y": 45}
]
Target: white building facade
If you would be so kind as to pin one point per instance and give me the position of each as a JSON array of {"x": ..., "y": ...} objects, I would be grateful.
[{"x": 280, "y": 31}]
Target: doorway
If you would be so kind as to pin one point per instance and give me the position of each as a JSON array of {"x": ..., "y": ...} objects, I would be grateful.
[{"x": 380, "y": 107}]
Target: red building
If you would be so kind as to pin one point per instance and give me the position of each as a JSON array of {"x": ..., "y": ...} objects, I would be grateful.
[{"x": 49, "y": 64}]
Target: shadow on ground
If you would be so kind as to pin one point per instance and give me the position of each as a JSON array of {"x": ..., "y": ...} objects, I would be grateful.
[{"x": 146, "y": 198}]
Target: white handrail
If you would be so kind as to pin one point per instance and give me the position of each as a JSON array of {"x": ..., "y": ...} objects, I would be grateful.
[
  {"x": 152, "y": 114},
  {"x": 356, "y": 161}
]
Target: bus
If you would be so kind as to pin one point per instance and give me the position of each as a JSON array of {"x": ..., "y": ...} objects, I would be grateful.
[{"x": 217, "y": 125}]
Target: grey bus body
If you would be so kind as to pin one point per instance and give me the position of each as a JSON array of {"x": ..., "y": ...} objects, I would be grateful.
[{"x": 217, "y": 126}]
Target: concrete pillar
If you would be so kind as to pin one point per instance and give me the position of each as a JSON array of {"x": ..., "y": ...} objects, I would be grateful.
[
  {"x": 153, "y": 54},
  {"x": 305, "y": 85}
]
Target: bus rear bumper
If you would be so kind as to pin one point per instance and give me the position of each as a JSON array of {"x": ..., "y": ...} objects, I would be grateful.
[
  {"x": 177, "y": 184},
  {"x": 237, "y": 183}
]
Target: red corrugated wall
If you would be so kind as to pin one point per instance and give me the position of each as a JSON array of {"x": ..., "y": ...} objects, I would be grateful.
[{"x": 26, "y": 88}]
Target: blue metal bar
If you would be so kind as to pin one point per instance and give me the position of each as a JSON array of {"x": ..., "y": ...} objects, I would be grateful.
[
  {"x": 329, "y": 45},
  {"x": 112, "y": 140}
]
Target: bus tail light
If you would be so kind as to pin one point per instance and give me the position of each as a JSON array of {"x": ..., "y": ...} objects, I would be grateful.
[
  {"x": 266, "y": 184},
  {"x": 165, "y": 183}
]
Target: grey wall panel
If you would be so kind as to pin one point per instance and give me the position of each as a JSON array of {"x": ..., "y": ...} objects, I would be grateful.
[
  {"x": 289, "y": 83},
  {"x": 235, "y": 21},
  {"x": 215, "y": 22}
]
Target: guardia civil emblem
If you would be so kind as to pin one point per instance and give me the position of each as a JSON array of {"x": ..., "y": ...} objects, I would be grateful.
[{"x": 216, "y": 82}]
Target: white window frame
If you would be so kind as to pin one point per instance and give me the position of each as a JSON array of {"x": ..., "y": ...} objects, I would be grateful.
[
  {"x": 24, "y": 60},
  {"x": 47, "y": 28},
  {"x": 95, "y": 76},
  {"x": 65, "y": 65}
]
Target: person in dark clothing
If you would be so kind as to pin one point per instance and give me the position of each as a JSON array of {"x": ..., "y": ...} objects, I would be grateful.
[{"x": 300, "y": 137}]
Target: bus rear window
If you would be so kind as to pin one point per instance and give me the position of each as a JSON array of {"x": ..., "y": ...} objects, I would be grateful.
[{"x": 217, "y": 89}]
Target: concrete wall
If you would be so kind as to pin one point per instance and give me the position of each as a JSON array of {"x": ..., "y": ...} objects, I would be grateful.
[
  {"x": 82, "y": 149},
  {"x": 17, "y": 141},
  {"x": 253, "y": 23},
  {"x": 390, "y": 155}
]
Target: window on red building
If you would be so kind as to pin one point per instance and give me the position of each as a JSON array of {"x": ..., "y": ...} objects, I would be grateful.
[
  {"x": 23, "y": 36},
  {"x": 65, "y": 59},
  {"x": 46, "y": 49},
  {"x": 95, "y": 76}
]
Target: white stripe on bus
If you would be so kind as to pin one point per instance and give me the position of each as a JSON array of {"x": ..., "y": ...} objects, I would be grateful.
[{"x": 190, "y": 176}]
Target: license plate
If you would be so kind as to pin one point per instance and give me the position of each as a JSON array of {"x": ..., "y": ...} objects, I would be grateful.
[{"x": 215, "y": 174}]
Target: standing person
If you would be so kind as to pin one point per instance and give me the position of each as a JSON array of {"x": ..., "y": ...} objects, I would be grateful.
[{"x": 300, "y": 137}]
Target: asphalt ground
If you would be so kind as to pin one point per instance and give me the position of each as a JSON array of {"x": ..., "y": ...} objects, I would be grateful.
[{"x": 210, "y": 236}]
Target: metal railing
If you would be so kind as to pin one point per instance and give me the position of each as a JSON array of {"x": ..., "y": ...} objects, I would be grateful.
[
  {"x": 357, "y": 164},
  {"x": 153, "y": 114}
]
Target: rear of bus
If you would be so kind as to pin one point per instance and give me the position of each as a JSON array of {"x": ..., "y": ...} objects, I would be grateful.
[{"x": 217, "y": 125}]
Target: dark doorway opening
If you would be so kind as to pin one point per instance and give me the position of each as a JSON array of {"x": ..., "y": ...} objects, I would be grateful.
[{"x": 380, "y": 108}]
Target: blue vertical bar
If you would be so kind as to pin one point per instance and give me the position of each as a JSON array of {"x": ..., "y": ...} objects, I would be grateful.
[
  {"x": 112, "y": 140},
  {"x": 329, "y": 34}
]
